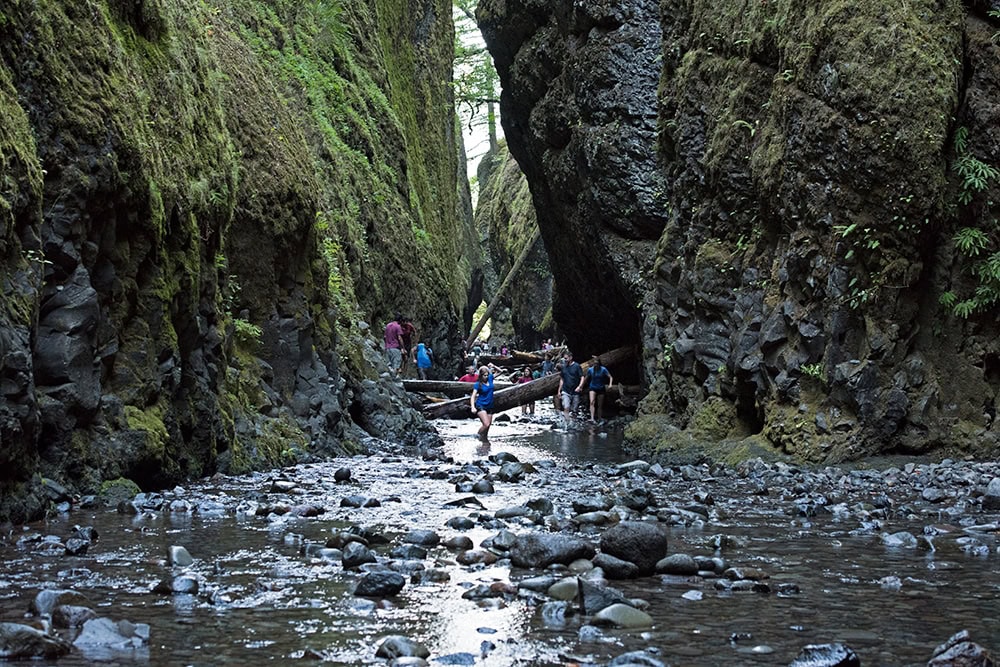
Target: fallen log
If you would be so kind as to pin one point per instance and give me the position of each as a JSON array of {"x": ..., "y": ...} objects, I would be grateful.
[
  {"x": 452, "y": 389},
  {"x": 520, "y": 394},
  {"x": 513, "y": 360}
]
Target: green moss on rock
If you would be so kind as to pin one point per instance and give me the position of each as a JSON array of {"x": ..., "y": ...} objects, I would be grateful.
[{"x": 114, "y": 491}]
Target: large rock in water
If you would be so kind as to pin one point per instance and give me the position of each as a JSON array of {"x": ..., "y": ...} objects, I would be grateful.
[
  {"x": 22, "y": 642},
  {"x": 736, "y": 191},
  {"x": 637, "y": 542},
  {"x": 539, "y": 550}
]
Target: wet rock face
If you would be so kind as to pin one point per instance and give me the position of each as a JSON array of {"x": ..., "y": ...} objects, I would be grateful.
[
  {"x": 173, "y": 232},
  {"x": 579, "y": 113},
  {"x": 779, "y": 199}
]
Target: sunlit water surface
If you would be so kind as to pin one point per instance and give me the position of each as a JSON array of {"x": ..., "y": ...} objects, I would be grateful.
[{"x": 262, "y": 602}]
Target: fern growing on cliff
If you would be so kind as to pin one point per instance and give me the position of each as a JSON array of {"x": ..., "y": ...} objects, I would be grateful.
[{"x": 979, "y": 243}]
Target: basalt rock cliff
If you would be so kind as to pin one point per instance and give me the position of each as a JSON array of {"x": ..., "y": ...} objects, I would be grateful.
[
  {"x": 787, "y": 206},
  {"x": 203, "y": 205}
]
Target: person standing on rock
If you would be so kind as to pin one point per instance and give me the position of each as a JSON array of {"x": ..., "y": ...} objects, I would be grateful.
[
  {"x": 570, "y": 376},
  {"x": 424, "y": 356},
  {"x": 599, "y": 379},
  {"x": 394, "y": 344},
  {"x": 481, "y": 402}
]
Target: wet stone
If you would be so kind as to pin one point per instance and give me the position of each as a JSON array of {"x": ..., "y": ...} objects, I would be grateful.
[
  {"x": 564, "y": 589},
  {"x": 482, "y": 486},
  {"x": 623, "y": 616},
  {"x": 20, "y": 642},
  {"x": 477, "y": 557},
  {"x": 359, "y": 501},
  {"x": 396, "y": 646},
  {"x": 424, "y": 538},
  {"x": 357, "y": 554},
  {"x": 677, "y": 564},
  {"x": 412, "y": 551},
  {"x": 71, "y": 616},
  {"x": 458, "y": 543},
  {"x": 48, "y": 599},
  {"x": 380, "y": 584},
  {"x": 178, "y": 555},
  {"x": 826, "y": 655},
  {"x": 76, "y": 546},
  {"x": 616, "y": 568},
  {"x": 502, "y": 541},
  {"x": 638, "y": 542},
  {"x": 460, "y": 523}
]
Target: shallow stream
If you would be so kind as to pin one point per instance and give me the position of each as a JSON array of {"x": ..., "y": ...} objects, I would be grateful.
[{"x": 262, "y": 601}]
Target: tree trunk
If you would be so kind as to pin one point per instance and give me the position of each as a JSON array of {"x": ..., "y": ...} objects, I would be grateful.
[
  {"x": 520, "y": 394},
  {"x": 452, "y": 389},
  {"x": 503, "y": 287}
]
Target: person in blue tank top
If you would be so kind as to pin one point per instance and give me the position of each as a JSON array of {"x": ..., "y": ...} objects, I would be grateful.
[
  {"x": 424, "y": 356},
  {"x": 481, "y": 402},
  {"x": 598, "y": 378}
]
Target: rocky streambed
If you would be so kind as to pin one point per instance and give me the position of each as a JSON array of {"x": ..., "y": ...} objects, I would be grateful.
[{"x": 543, "y": 547}]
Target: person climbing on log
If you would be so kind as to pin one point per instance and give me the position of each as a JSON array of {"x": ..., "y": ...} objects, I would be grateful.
[
  {"x": 599, "y": 379},
  {"x": 481, "y": 401},
  {"x": 570, "y": 376}
]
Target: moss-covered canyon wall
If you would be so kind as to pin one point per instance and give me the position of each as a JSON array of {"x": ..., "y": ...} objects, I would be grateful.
[
  {"x": 505, "y": 218},
  {"x": 790, "y": 206},
  {"x": 208, "y": 210}
]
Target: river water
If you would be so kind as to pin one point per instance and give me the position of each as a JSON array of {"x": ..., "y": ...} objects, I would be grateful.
[{"x": 263, "y": 601}]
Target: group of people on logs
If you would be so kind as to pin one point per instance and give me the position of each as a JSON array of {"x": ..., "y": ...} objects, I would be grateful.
[{"x": 571, "y": 382}]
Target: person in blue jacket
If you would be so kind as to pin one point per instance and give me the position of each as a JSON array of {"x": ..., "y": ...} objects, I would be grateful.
[
  {"x": 481, "y": 402},
  {"x": 424, "y": 356},
  {"x": 598, "y": 378}
]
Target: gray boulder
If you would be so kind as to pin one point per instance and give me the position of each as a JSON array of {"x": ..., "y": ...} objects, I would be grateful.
[
  {"x": 637, "y": 542},
  {"x": 539, "y": 550},
  {"x": 380, "y": 584},
  {"x": 19, "y": 642}
]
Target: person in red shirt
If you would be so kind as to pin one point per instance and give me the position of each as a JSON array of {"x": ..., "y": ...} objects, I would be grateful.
[
  {"x": 470, "y": 375},
  {"x": 394, "y": 345}
]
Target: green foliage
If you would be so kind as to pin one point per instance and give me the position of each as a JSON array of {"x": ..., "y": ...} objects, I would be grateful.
[
  {"x": 979, "y": 243},
  {"x": 971, "y": 241},
  {"x": 247, "y": 333},
  {"x": 814, "y": 371},
  {"x": 476, "y": 84},
  {"x": 975, "y": 174}
]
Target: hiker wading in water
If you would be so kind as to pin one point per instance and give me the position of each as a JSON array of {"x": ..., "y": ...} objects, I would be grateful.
[
  {"x": 481, "y": 402},
  {"x": 598, "y": 378}
]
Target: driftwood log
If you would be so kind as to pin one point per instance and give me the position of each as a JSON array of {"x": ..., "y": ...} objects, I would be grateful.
[
  {"x": 519, "y": 394},
  {"x": 450, "y": 388}
]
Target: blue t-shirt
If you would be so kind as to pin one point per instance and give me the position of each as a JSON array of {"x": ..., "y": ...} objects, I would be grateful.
[
  {"x": 599, "y": 379},
  {"x": 571, "y": 374},
  {"x": 484, "y": 397}
]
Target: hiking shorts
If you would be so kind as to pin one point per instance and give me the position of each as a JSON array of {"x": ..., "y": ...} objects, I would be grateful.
[{"x": 394, "y": 357}]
